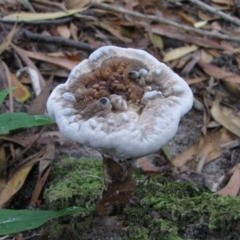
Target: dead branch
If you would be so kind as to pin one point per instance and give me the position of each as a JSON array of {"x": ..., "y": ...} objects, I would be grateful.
[
  {"x": 59, "y": 40},
  {"x": 166, "y": 21},
  {"x": 216, "y": 12}
]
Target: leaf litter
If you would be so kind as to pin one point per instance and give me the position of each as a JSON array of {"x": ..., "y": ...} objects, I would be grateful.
[{"x": 193, "y": 41}]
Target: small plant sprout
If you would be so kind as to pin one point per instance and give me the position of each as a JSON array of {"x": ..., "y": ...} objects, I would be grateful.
[{"x": 124, "y": 103}]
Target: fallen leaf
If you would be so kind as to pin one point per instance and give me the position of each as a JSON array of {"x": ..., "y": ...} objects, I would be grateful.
[
  {"x": 210, "y": 144},
  {"x": 226, "y": 117},
  {"x": 27, "y": 16},
  {"x": 63, "y": 31},
  {"x": 200, "y": 24},
  {"x": 232, "y": 87},
  {"x": 206, "y": 57},
  {"x": 219, "y": 73},
  {"x": 157, "y": 41},
  {"x": 47, "y": 159},
  {"x": 205, "y": 17},
  {"x": 4, "y": 93},
  {"x": 28, "y": 62},
  {"x": 38, "y": 105},
  {"x": 8, "y": 39},
  {"x": 227, "y": 2},
  {"x": 74, "y": 31},
  {"x": 32, "y": 77},
  {"x": 179, "y": 52},
  {"x": 146, "y": 165},
  {"x": 3, "y": 166},
  {"x": 190, "y": 65},
  {"x": 233, "y": 186},
  {"x": 13, "y": 185},
  {"x": 214, "y": 52},
  {"x": 167, "y": 31},
  {"x": 73, "y": 4},
  {"x": 191, "y": 81},
  {"x": 61, "y": 62},
  {"x": 114, "y": 30},
  {"x": 20, "y": 93}
]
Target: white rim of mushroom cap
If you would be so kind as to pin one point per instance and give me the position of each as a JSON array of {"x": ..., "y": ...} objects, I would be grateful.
[{"x": 126, "y": 134}]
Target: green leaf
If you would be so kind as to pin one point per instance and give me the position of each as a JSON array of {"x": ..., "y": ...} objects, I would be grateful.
[
  {"x": 13, "y": 221},
  {"x": 4, "y": 93},
  {"x": 157, "y": 40},
  {"x": 166, "y": 152},
  {"x": 11, "y": 121}
]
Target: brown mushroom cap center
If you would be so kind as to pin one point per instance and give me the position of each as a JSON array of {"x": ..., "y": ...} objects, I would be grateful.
[{"x": 119, "y": 76}]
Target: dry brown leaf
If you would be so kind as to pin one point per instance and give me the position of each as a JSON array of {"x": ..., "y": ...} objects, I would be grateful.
[
  {"x": 63, "y": 31},
  {"x": 6, "y": 81},
  {"x": 213, "y": 52},
  {"x": 21, "y": 93},
  {"x": 183, "y": 61},
  {"x": 179, "y": 52},
  {"x": 187, "y": 19},
  {"x": 210, "y": 144},
  {"x": 185, "y": 37},
  {"x": 206, "y": 57},
  {"x": 232, "y": 87},
  {"x": 14, "y": 184},
  {"x": 47, "y": 159},
  {"x": 226, "y": 117},
  {"x": 233, "y": 186},
  {"x": 61, "y": 62},
  {"x": 206, "y": 17},
  {"x": 25, "y": 141},
  {"x": 114, "y": 30},
  {"x": 38, "y": 105},
  {"x": 191, "y": 81},
  {"x": 7, "y": 41},
  {"x": 3, "y": 165},
  {"x": 221, "y": 7},
  {"x": 76, "y": 4},
  {"x": 216, "y": 26},
  {"x": 189, "y": 66},
  {"x": 227, "y": 2},
  {"x": 21, "y": 52},
  {"x": 219, "y": 73},
  {"x": 74, "y": 31},
  {"x": 146, "y": 165}
]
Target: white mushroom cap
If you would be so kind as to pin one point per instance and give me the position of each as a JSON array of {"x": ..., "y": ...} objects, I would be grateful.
[{"x": 125, "y": 126}]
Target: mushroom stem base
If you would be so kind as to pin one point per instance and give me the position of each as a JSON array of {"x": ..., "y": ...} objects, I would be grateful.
[{"x": 118, "y": 186}]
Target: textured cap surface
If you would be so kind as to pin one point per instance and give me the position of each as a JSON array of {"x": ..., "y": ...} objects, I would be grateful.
[{"x": 122, "y": 102}]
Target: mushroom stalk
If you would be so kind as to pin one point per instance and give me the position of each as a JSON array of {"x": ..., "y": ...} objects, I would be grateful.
[{"x": 117, "y": 187}]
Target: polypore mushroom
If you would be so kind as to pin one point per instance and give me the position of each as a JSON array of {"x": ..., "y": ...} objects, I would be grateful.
[{"x": 122, "y": 102}]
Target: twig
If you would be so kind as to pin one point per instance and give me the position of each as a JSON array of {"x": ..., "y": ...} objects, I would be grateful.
[
  {"x": 216, "y": 12},
  {"x": 59, "y": 40},
  {"x": 52, "y": 21},
  {"x": 166, "y": 21}
]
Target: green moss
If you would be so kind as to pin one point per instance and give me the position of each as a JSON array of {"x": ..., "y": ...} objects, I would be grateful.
[
  {"x": 167, "y": 209},
  {"x": 74, "y": 183},
  {"x": 163, "y": 210}
]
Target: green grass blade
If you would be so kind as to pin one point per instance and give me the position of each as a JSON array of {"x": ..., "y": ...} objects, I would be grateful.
[
  {"x": 4, "y": 93},
  {"x": 11, "y": 121},
  {"x": 13, "y": 221},
  {"x": 166, "y": 152}
]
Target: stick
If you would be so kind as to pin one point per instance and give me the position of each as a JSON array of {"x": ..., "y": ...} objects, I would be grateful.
[
  {"x": 216, "y": 12},
  {"x": 59, "y": 40},
  {"x": 168, "y": 22}
]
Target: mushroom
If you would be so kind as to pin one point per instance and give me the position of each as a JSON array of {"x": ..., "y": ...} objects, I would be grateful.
[{"x": 124, "y": 103}]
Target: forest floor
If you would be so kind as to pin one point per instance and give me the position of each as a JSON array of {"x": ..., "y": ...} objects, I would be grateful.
[{"x": 187, "y": 190}]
